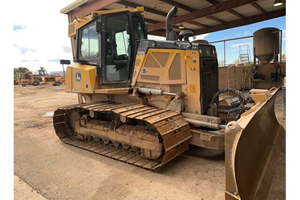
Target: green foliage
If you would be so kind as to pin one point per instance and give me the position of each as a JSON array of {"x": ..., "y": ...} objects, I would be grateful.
[{"x": 20, "y": 70}]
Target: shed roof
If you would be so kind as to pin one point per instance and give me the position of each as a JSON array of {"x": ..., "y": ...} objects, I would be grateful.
[{"x": 200, "y": 16}]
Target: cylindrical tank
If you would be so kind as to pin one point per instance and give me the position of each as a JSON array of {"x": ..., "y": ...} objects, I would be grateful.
[{"x": 266, "y": 43}]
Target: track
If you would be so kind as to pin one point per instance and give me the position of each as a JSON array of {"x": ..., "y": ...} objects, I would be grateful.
[{"x": 172, "y": 132}]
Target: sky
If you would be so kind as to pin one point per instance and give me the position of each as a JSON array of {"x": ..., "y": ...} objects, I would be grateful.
[
  {"x": 243, "y": 45},
  {"x": 40, "y": 36},
  {"x": 233, "y": 48}
]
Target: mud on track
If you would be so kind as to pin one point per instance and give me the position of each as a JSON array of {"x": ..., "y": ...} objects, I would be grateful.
[{"x": 59, "y": 171}]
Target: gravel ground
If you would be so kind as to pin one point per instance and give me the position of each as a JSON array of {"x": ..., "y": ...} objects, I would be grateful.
[{"x": 58, "y": 171}]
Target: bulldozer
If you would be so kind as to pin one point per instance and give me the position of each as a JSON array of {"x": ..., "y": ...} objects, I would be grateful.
[
  {"x": 50, "y": 79},
  {"x": 145, "y": 102},
  {"x": 55, "y": 80},
  {"x": 28, "y": 79}
]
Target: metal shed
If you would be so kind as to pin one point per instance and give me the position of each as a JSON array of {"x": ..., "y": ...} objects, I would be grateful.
[{"x": 200, "y": 16}]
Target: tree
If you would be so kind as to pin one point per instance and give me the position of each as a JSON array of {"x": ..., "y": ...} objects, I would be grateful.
[{"x": 20, "y": 70}]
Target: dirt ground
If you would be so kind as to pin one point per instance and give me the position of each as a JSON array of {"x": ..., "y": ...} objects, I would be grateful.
[{"x": 59, "y": 171}]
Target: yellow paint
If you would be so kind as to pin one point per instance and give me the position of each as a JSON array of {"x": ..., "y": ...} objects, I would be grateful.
[
  {"x": 193, "y": 81},
  {"x": 81, "y": 79},
  {"x": 161, "y": 71},
  {"x": 192, "y": 88},
  {"x": 137, "y": 69},
  {"x": 81, "y": 21},
  {"x": 190, "y": 74}
]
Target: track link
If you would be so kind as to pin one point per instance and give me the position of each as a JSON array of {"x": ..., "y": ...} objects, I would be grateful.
[{"x": 171, "y": 126}]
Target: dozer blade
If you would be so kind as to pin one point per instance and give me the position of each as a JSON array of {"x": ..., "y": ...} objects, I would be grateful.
[{"x": 252, "y": 146}]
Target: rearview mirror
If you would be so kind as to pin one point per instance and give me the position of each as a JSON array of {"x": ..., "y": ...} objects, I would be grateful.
[{"x": 64, "y": 62}]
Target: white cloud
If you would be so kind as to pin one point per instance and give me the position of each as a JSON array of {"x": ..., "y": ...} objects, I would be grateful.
[
  {"x": 284, "y": 34},
  {"x": 237, "y": 45},
  {"x": 40, "y": 34},
  {"x": 246, "y": 33},
  {"x": 198, "y": 37}
]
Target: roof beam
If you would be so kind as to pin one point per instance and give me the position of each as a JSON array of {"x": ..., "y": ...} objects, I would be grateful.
[
  {"x": 184, "y": 7},
  {"x": 217, "y": 20},
  {"x": 247, "y": 20},
  {"x": 157, "y": 12},
  {"x": 87, "y": 9},
  {"x": 239, "y": 15},
  {"x": 158, "y": 33},
  {"x": 230, "y": 10},
  {"x": 197, "y": 24},
  {"x": 219, "y": 7},
  {"x": 255, "y": 5},
  {"x": 179, "y": 5},
  {"x": 212, "y": 1},
  {"x": 147, "y": 9},
  {"x": 150, "y": 20}
]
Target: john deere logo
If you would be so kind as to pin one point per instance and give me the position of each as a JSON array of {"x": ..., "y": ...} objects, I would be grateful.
[{"x": 78, "y": 77}]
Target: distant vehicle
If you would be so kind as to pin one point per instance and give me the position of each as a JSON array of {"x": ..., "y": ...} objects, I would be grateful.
[
  {"x": 28, "y": 79},
  {"x": 54, "y": 80}
]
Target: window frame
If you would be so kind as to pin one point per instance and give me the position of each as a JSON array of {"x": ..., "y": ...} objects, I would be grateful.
[
  {"x": 80, "y": 42},
  {"x": 103, "y": 80}
]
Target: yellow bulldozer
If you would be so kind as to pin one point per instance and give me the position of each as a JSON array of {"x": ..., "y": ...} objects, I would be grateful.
[
  {"x": 28, "y": 79},
  {"x": 50, "y": 79},
  {"x": 145, "y": 102},
  {"x": 55, "y": 80}
]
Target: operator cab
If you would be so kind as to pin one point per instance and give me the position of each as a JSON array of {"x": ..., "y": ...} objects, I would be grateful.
[{"x": 109, "y": 43}]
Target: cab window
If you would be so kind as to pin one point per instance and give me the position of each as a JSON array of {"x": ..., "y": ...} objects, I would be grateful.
[
  {"x": 118, "y": 49},
  {"x": 89, "y": 42}
]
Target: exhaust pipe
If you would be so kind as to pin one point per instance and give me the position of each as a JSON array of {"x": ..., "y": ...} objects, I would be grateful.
[{"x": 170, "y": 33}]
